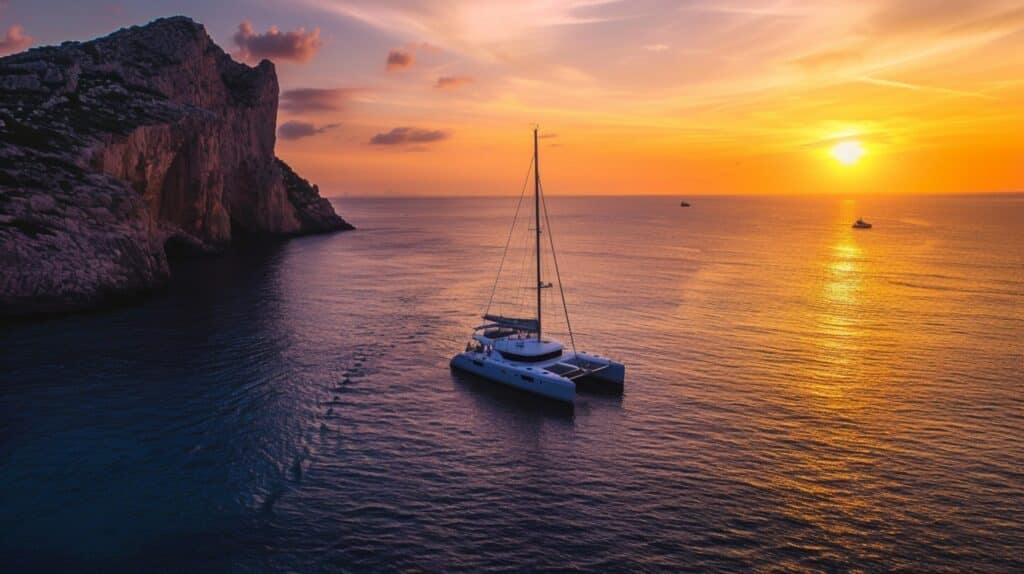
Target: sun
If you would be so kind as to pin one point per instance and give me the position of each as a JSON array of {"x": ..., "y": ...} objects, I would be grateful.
[{"x": 847, "y": 152}]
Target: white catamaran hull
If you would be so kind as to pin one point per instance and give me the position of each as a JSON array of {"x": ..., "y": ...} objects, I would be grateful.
[{"x": 537, "y": 379}]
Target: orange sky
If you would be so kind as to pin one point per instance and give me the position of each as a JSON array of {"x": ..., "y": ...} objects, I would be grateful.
[{"x": 642, "y": 96}]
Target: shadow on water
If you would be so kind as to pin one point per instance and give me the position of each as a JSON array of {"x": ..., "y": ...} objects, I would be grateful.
[
  {"x": 191, "y": 274},
  {"x": 243, "y": 263},
  {"x": 174, "y": 405},
  {"x": 596, "y": 387},
  {"x": 602, "y": 399}
]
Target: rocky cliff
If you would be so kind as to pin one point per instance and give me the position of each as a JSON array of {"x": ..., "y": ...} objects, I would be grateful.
[{"x": 116, "y": 151}]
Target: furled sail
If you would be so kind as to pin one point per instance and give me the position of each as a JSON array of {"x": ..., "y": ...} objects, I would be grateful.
[{"x": 512, "y": 322}]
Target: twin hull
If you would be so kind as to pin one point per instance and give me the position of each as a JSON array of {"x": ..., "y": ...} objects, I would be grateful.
[{"x": 535, "y": 378}]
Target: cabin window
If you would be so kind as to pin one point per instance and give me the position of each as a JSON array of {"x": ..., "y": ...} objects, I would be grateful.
[{"x": 532, "y": 358}]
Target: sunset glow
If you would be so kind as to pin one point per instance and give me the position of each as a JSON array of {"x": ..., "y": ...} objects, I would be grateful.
[
  {"x": 643, "y": 97},
  {"x": 478, "y": 285}
]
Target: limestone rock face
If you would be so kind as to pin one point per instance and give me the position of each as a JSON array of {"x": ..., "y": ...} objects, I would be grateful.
[
  {"x": 315, "y": 213},
  {"x": 116, "y": 150}
]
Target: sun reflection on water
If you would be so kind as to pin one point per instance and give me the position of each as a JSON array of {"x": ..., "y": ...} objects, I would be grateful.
[{"x": 838, "y": 344}]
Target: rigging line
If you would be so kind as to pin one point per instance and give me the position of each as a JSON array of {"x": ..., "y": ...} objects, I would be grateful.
[
  {"x": 522, "y": 193},
  {"x": 518, "y": 270},
  {"x": 558, "y": 275}
]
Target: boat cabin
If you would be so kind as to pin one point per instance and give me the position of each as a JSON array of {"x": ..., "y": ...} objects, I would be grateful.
[
  {"x": 526, "y": 349},
  {"x": 516, "y": 339}
]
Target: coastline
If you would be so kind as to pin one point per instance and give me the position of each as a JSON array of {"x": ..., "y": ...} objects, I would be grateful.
[{"x": 126, "y": 151}]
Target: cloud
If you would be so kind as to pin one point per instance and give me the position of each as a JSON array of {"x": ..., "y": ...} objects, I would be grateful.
[
  {"x": 779, "y": 11},
  {"x": 922, "y": 87},
  {"x": 942, "y": 16},
  {"x": 656, "y": 47},
  {"x": 446, "y": 82},
  {"x": 827, "y": 59},
  {"x": 295, "y": 130},
  {"x": 907, "y": 15},
  {"x": 316, "y": 99},
  {"x": 405, "y": 57},
  {"x": 399, "y": 60},
  {"x": 15, "y": 40},
  {"x": 1001, "y": 21},
  {"x": 473, "y": 26},
  {"x": 547, "y": 136},
  {"x": 865, "y": 137},
  {"x": 398, "y": 136},
  {"x": 297, "y": 45},
  {"x": 928, "y": 19}
]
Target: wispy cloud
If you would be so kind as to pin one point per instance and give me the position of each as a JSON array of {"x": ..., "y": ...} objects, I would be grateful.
[
  {"x": 297, "y": 130},
  {"x": 1008, "y": 21},
  {"x": 302, "y": 100},
  {"x": 407, "y": 135},
  {"x": 906, "y": 16},
  {"x": 296, "y": 45},
  {"x": 745, "y": 9},
  {"x": 479, "y": 24},
  {"x": 829, "y": 59},
  {"x": 451, "y": 82},
  {"x": 922, "y": 88},
  {"x": 866, "y": 136}
]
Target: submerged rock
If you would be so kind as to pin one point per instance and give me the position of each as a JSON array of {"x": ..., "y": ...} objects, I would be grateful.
[{"x": 117, "y": 150}]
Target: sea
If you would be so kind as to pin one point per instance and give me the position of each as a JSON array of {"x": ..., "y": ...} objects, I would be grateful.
[{"x": 800, "y": 396}]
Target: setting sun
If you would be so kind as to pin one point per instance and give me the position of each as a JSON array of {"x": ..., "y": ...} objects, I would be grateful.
[{"x": 848, "y": 152}]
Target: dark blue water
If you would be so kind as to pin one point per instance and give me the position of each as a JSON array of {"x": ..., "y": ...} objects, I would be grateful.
[{"x": 800, "y": 396}]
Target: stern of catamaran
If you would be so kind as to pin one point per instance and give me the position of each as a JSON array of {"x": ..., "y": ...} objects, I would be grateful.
[{"x": 592, "y": 373}]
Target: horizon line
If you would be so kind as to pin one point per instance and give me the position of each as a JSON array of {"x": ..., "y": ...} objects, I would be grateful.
[{"x": 745, "y": 195}]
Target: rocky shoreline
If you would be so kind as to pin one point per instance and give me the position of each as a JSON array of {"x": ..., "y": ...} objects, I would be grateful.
[{"x": 118, "y": 152}]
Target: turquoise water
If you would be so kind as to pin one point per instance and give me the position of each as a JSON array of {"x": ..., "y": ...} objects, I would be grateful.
[{"x": 799, "y": 396}]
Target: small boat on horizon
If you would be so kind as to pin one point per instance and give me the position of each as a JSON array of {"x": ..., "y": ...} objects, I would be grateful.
[
  {"x": 684, "y": 204},
  {"x": 512, "y": 351},
  {"x": 861, "y": 224}
]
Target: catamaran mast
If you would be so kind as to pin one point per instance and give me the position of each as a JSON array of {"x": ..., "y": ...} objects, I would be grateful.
[{"x": 536, "y": 211}]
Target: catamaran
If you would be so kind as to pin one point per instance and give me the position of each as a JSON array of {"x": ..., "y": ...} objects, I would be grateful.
[{"x": 513, "y": 351}]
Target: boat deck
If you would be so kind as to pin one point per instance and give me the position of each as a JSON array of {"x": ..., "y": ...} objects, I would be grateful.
[{"x": 575, "y": 371}]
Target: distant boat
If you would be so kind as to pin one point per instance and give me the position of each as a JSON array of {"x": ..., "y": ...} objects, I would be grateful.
[
  {"x": 861, "y": 224},
  {"x": 512, "y": 351},
  {"x": 683, "y": 204}
]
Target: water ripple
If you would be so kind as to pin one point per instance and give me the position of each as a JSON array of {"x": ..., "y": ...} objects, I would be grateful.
[{"x": 800, "y": 397}]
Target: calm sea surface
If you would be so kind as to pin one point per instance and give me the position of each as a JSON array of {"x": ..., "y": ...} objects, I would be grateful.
[{"x": 799, "y": 396}]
